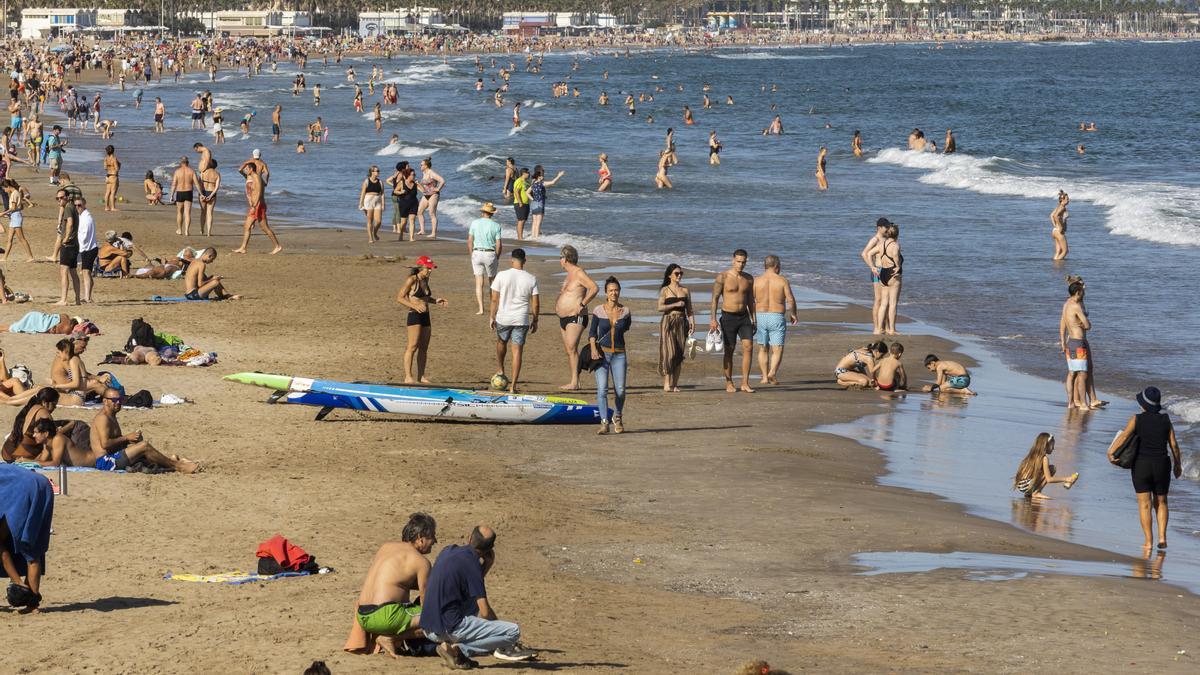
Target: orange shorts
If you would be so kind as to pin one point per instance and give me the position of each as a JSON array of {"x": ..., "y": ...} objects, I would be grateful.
[{"x": 257, "y": 212}]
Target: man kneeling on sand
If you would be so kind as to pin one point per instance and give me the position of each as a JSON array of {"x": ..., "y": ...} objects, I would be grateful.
[
  {"x": 198, "y": 285},
  {"x": 387, "y": 612},
  {"x": 111, "y": 450}
]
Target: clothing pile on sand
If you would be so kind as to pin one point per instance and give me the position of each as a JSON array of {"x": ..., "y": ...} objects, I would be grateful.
[{"x": 158, "y": 348}]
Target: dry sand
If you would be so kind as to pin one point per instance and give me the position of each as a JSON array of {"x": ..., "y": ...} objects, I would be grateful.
[{"x": 716, "y": 531}]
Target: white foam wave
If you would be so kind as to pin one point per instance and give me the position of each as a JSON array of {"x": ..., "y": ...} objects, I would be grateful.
[
  {"x": 421, "y": 73},
  {"x": 486, "y": 162},
  {"x": 1185, "y": 409},
  {"x": 1158, "y": 212},
  {"x": 514, "y": 130},
  {"x": 462, "y": 210},
  {"x": 530, "y": 103},
  {"x": 392, "y": 114},
  {"x": 406, "y": 150}
]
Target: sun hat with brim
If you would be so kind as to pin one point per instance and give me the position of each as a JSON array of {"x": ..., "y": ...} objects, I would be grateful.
[
  {"x": 1150, "y": 399},
  {"x": 488, "y": 208}
]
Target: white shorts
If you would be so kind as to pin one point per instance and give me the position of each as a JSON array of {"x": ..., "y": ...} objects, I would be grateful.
[
  {"x": 484, "y": 263},
  {"x": 15, "y": 219}
]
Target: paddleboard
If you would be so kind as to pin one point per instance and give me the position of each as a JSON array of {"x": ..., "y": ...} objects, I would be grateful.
[{"x": 425, "y": 402}]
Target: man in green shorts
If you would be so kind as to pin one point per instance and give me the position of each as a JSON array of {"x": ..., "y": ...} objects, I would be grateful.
[{"x": 387, "y": 608}]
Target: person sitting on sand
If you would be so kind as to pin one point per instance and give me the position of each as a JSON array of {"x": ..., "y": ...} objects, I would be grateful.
[
  {"x": 113, "y": 451},
  {"x": 1036, "y": 472},
  {"x": 69, "y": 376},
  {"x": 952, "y": 377},
  {"x": 387, "y": 610},
  {"x": 857, "y": 368},
  {"x": 889, "y": 372},
  {"x": 14, "y": 383},
  {"x": 35, "y": 436},
  {"x": 114, "y": 258},
  {"x": 198, "y": 285}
]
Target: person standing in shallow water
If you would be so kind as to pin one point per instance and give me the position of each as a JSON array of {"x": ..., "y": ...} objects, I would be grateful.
[
  {"x": 1151, "y": 471},
  {"x": 1058, "y": 226},
  {"x": 822, "y": 183}
]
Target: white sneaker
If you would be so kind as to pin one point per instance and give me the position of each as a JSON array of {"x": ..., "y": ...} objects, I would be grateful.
[{"x": 517, "y": 652}]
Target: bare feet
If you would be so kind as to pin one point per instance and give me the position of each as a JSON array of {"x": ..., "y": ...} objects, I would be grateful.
[
  {"x": 763, "y": 380},
  {"x": 745, "y": 389},
  {"x": 409, "y": 380},
  {"x": 675, "y": 390},
  {"x": 773, "y": 380},
  {"x": 61, "y": 303},
  {"x": 187, "y": 467},
  {"x": 729, "y": 388},
  {"x": 238, "y": 250},
  {"x": 569, "y": 387},
  {"x": 425, "y": 380},
  {"x": 275, "y": 250},
  {"x": 479, "y": 313},
  {"x": 1162, "y": 544}
]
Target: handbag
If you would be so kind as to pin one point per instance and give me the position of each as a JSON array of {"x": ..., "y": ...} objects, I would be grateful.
[
  {"x": 586, "y": 362},
  {"x": 1126, "y": 454}
]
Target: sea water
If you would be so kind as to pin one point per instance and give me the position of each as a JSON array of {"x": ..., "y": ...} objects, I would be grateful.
[{"x": 974, "y": 225}]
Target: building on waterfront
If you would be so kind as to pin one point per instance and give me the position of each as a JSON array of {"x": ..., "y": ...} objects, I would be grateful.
[
  {"x": 408, "y": 20},
  {"x": 252, "y": 23},
  {"x": 538, "y": 23},
  {"x": 40, "y": 23}
]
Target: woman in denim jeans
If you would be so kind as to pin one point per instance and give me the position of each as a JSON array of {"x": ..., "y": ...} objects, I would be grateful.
[{"x": 606, "y": 335}]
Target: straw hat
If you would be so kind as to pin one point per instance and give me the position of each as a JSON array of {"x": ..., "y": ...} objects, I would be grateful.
[{"x": 488, "y": 208}]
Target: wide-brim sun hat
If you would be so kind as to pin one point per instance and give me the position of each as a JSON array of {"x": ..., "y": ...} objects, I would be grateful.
[{"x": 488, "y": 208}]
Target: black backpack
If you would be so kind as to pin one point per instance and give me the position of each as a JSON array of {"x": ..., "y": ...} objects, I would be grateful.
[{"x": 141, "y": 334}]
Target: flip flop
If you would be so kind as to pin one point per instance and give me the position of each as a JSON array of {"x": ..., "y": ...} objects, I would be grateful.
[{"x": 1074, "y": 479}]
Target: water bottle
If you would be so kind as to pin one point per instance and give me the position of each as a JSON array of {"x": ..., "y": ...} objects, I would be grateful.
[{"x": 62, "y": 480}]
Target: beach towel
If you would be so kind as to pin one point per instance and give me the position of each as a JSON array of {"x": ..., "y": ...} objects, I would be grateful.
[
  {"x": 163, "y": 298},
  {"x": 27, "y": 507},
  {"x": 360, "y": 641},
  {"x": 232, "y": 578},
  {"x": 286, "y": 554},
  {"x": 36, "y": 322}
]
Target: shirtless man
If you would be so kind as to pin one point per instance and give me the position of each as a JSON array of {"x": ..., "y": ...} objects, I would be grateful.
[
  {"x": 733, "y": 293},
  {"x": 205, "y": 156},
  {"x": 210, "y": 184},
  {"x": 112, "y": 451},
  {"x": 1073, "y": 326},
  {"x": 256, "y": 206},
  {"x": 870, "y": 255},
  {"x": 160, "y": 111},
  {"x": 197, "y": 112},
  {"x": 386, "y": 606},
  {"x": 276, "y": 123},
  {"x": 199, "y": 286},
  {"x": 772, "y": 300},
  {"x": 578, "y": 290},
  {"x": 183, "y": 185},
  {"x": 256, "y": 159}
]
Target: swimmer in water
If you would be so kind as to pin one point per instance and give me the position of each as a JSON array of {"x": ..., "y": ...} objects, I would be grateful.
[
  {"x": 687, "y": 116},
  {"x": 714, "y": 149},
  {"x": 728, "y": 100},
  {"x": 776, "y": 127},
  {"x": 951, "y": 144},
  {"x": 1080, "y": 149},
  {"x": 300, "y": 148},
  {"x": 660, "y": 179},
  {"x": 605, "y": 175},
  {"x": 1092, "y": 127},
  {"x": 822, "y": 184},
  {"x": 516, "y": 114},
  {"x": 856, "y": 144}
]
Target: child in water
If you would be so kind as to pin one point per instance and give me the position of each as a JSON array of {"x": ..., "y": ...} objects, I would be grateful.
[
  {"x": 1036, "y": 471},
  {"x": 952, "y": 377}
]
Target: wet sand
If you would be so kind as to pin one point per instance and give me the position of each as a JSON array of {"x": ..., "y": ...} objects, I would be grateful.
[{"x": 717, "y": 530}]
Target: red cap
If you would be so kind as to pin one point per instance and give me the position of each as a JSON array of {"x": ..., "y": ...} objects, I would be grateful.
[{"x": 426, "y": 261}]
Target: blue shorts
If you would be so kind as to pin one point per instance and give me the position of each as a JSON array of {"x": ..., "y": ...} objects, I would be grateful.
[
  {"x": 513, "y": 334},
  {"x": 537, "y": 208},
  {"x": 114, "y": 462},
  {"x": 958, "y": 381},
  {"x": 771, "y": 329}
]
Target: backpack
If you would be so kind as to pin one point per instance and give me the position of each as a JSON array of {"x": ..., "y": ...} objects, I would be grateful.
[{"x": 140, "y": 335}]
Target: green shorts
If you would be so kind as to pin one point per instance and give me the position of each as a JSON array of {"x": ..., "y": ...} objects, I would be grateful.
[{"x": 390, "y": 618}]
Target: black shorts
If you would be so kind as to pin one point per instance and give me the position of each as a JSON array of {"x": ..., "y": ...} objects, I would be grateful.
[
  {"x": 69, "y": 256},
  {"x": 418, "y": 318},
  {"x": 736, "y": 327},
  {"x": 522, "y": 211},
  {"x": 581, "y": 319},
  {"x": 1152, "y": 474},
  {"x": 87, "y": 259},
  {"x": 183, "y": 196}
]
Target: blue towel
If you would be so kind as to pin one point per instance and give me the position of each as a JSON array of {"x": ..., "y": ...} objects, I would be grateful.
[
  {"x": 35, "y": 322},
  {"x": 27, "y": 507},
  {"x": 160, "y": 298}
]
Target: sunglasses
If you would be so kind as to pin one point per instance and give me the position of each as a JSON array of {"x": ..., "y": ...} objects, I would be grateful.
[{"x": 118, "y": 399}]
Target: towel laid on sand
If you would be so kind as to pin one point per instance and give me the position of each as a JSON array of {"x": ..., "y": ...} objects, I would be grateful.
[
  {"x": 27, "y": 506},
  {"x": 163, "y": 298},
  {"x": 233, "y": 578},
  {"x": 36, "y": 322}
]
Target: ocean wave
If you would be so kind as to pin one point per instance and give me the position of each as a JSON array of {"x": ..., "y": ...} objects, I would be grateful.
[
  {"x": 406, "y": 150},
  {"x": 486, "y": 163},
  {"x": 421, "y": 73},
  {"x": 392, "y": 114},
  {"x": 770, "y": 56},
  {"x": 514, "y": 130},
  {"x": 530, "y": 103},
  {"x": 1158, "y": 212},
  {"x": 1185, "y": 409},
  {"x": 462, "y": 210}
]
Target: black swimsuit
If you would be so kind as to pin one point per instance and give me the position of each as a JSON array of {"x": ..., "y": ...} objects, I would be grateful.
[
  {"x": 887, "y": 273},
  {"x": 416, "y": 318}
]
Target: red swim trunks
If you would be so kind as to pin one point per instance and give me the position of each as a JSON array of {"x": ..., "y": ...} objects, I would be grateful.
[{"x": 257, "y": 212}]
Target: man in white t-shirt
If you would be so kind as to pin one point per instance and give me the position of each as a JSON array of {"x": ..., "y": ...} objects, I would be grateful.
[
  {"x": 483, "y": 243},
  {"x": 88, "y": 248},
  {"x": 514, "y": 312}
]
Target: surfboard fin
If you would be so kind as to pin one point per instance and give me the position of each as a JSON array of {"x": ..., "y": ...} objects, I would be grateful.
[
  {"x": 323, "y": 412},
  {"x": 274, "y": 397}
]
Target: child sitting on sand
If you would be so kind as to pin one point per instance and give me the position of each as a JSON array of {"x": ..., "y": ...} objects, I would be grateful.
[
  {"x": 153, "y": 189},
  {"x": 1036, "y": 471},
  {"x": 889, "y": 373},
  {"x": 952, "y": 377}
]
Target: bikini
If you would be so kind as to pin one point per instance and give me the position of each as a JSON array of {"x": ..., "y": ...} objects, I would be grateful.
[{"x": 858, "y": 367}]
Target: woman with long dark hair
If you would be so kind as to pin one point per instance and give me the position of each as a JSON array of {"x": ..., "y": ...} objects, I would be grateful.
[{"x": 678, "y": 322}]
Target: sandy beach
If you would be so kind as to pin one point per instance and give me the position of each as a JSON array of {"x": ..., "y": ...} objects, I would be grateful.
[{"x": 719, "y": 529}]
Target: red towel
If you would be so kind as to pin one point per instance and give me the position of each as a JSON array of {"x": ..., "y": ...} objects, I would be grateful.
[{"x": 288, "y": 555}]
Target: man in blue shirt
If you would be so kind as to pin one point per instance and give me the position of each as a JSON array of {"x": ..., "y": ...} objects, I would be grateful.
[
  {"x": 484, "y": 246},
  {"x": 456, "y": 613}
]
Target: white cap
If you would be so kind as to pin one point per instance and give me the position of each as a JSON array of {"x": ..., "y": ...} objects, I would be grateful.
[{"x": 257, "y": 154}]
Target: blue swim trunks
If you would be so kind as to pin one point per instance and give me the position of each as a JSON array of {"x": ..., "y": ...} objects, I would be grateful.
[
  {"x": 114, "y": 462},
  {"x": 771, "y": 329},
  {"x": 958, "y": 381}
]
